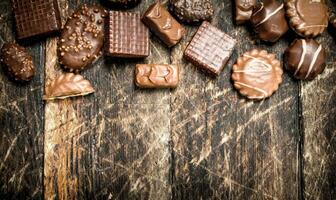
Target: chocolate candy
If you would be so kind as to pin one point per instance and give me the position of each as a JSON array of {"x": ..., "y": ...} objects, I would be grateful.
[
  {"x": 159, "y": 20},
  {"x": 192, "y": 10},
  {"x": 308, "y": 18},
  {"x": 67, "y": 85},
  {"x": 305, "y": 59},
  {"x": 124, "y": 3},
  {"x": 268, "y": 20},
  {"x": 156, "y": 76},
  {"x": 333, "y": 21},
  {"x": 210, "y": 48},
  {"x": 127, "y": 35},
  {"x": 18, "y": 62},
  {"x": 257, "y": 74},
  {"x": 82, "y": 38},
  {"x": 35, "y": 18},
  {"x": 244, "y": 10}
]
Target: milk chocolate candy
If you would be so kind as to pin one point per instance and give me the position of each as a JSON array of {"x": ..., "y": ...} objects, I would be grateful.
[
  {"x": 305, "y": 59},
  {"x": 244, "y": 10},
  {"x": 124, "y": 3},
  {"x": 192, "y": 10},
  {"x": 82, "y": 38},
  {"x": 210, "y": 48},
  {"x": 18, "y": 62},
  {"x": 156, "y": 76},
  {"x": 127, "y": 36},
  {"x": 268, "y": 20},
  {"x": 36, "y": 18},
  {"x": 257, "y": 74},
  {"x": 67, "y": 85},
  {"x": 159, "y": 20},
  {"x": 308, "y": 18}
]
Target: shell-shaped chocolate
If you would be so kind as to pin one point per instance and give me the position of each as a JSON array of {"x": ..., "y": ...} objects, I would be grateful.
[
  {"x": 18, "y": 62},
  {"x": 257, "y": 74},
  {"x": 67, "y": 85},
  {"x": 305, "y": 59},
  {"x": 82, "y": 38},
  {"x": 308, "y": 18},
  {"x": 192, "y": 10}
]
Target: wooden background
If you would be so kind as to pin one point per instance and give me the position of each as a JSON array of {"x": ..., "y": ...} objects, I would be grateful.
[{"x": 199, "y": 141}]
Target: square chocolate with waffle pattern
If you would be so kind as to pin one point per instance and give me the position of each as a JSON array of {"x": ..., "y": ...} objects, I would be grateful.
[
  {"x": 210, "y": 48},
  {"x": 36, "y": 18},
  {"x": 127, "y": 36}
]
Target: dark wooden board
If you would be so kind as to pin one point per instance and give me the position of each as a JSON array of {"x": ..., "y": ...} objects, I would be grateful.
[{"x": 199, "y": 141}]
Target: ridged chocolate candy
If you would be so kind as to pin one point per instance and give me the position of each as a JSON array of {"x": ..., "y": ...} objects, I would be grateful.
[
  {"x": 305, "y": 59},
  {"x": 308, "y": 18},
  {"x": 268, "y": 20},
  {"x": 18, "y": 62},
  {"x": 82, "y": 38},
  {"x": 192, "y": 10}
]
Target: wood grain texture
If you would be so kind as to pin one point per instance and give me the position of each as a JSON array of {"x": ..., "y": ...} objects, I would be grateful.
[
  {"x": 21, "y": 123},
  {"x": 226, "y": 147}
]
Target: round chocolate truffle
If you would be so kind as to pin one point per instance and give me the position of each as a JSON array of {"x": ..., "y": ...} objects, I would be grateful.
[
  {"x": 305, "y": 59},
  {"x": 257, "y": 74},
  {"x": 269, "y": 21},
  {"x": 192, "y": 10},
  {"x": 308, "y": 18}
]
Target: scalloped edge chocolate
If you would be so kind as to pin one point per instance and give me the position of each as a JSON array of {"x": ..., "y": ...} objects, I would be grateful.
[
  {"x": 236, "y": 71},
  {"x": 295, "y": 21}
]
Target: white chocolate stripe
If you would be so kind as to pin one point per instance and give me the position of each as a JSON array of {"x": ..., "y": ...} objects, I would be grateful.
[
  {"x": 271, "y": 14},
  {"x": 304, "y": 51},
  {"x": 268, "y": 65},
  {"x": 260, "y": 9},
  {"x": 313, "y": 61},
  {"x": 254, "y": 88}
]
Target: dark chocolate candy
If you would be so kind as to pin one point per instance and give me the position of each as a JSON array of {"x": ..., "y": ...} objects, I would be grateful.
[
  {"x": 156, "y": 76},
  {"x": 67, "y": 85},
  {"x": 333, "y": 21},
  {"x": 18, "y": 62},
  {"x": 35, "y": 18},
  {"x": 192, "y": 10},
  {"x": 268, "y": 20},
  {"x": 305, "y": 59},
  {"x": 257, "y": 74},
  {"x": 127, "y": 35},
  {"x": 308, "y": 18},
  {"x": 243, "y": 10},
  {"x": 124, "y": 3},
  {"x": 210, "y": 48},
  {"x": 159, "y": 20},
  {"x": 82, "y": 38}
]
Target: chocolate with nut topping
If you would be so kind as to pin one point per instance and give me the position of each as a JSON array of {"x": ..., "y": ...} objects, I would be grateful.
[
  {"x": 18, "y": 62},
  {"x": 82, "y": 38},
  {"x": 192, "y": 10}
]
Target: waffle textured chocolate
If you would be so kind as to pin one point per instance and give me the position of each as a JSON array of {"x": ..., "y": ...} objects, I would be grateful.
[
  {"x": 210, "y": 48},
  {"x": 38, "y": 17},
  {"x": 127, "y": 35},
  {"x": 156, "y": 76}
]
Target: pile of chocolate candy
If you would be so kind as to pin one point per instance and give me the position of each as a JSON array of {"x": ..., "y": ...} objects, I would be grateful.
[{"x": 256, "y": 74}]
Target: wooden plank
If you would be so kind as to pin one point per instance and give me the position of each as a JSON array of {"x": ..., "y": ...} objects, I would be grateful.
[
  {"x": 113, "y": 144},
  {"x": 226, "y": 147},
  {"x": 21, "y": 123},
  {"x": 319, "y": 116}
]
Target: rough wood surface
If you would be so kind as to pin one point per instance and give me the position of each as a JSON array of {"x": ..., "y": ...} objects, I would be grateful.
[{"x": 201, "y": 140}]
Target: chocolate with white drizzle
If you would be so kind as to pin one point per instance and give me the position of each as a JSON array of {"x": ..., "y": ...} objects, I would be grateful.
[
  {"x": 268, "y": 20},
  {"x": 159, "y": 20},
  {"x": 308, "y": 18},
  {"x": 81, "y": 41},
  {"x": 305, "y": 59},
  {"x": 257, "y": 74}
]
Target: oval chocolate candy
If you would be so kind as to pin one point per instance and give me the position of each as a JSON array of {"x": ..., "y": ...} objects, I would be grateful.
[
  {"x": 18, "y": 62},
  {"x": 82, "y": 38}
]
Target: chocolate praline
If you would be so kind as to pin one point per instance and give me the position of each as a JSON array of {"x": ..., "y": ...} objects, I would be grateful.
[
  {"x": 305, "y": 59},
  {"x": 268, "y": 20}
]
